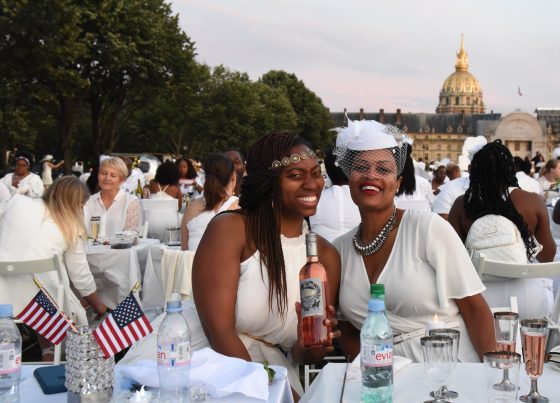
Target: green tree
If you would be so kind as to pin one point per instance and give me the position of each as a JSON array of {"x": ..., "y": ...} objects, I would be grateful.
[
  {"x": 43, "y": 51},
  {"x": 137, "y": 51},
  {"x": 313, "y": 118}
]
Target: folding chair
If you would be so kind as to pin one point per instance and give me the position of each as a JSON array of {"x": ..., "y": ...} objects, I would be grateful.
[{"x": 30, "y": 267}]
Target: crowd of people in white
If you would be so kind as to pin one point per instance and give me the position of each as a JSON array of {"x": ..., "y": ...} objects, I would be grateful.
[{"x": 373, "y": 185}]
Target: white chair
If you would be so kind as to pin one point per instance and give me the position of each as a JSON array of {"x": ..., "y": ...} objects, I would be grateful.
[
  {"x": 176, "y": 272},
  {"x": 28, "y": 267},
  {"x": 160, "y": 214},
  {"x": 490, "y": 269},
  {"x": 512, "y": 308},
  {"x": 310, "y": 369}
]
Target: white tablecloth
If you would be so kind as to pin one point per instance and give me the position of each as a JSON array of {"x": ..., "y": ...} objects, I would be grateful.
[
  {"x": 30, "y": 391},
  {"x": 412, "y": 385},
  {"x": 117, "y": 270}
]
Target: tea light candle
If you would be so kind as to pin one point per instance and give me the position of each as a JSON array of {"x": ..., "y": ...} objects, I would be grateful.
[
  {"x": 141, "y": 396},
  {"x": 435, "y": 323}
]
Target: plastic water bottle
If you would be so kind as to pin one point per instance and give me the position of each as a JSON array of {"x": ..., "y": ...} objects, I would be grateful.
[
  {"x": 174, "y": 354},
  {"x": 376, "y": 338},
  {"x": 10, "y": 356}
]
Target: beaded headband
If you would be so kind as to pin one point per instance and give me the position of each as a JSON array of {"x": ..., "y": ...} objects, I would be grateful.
[{"x": 293, "y": 159}]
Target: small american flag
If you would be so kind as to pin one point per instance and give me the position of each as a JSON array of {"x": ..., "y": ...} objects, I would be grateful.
[
  {"x": 45, "y": 318},
  {"x": 125, "y": 325}
]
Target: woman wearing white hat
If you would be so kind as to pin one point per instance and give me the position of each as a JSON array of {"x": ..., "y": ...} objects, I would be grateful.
[
  {"x": 48, "y": 166},
  {"x": 416, "y": 254}
]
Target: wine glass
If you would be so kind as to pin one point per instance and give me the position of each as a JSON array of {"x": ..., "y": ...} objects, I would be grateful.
[
  {"x": 455, "y": 336},
  {"x": 533, "y": 338},
  {"x": 505, "y": 327},
  {"x": 438, "y": 353},
  {"x": 94, "y": 223}
]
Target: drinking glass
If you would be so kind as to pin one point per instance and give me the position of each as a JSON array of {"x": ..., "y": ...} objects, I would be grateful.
[
  {"x": 495, "y": 362},
  {"x": 438, "y": 353},
  {"x": 533, "y": 339},
  {"x": 94, "y": 223},
  {"x": 505, "y": 327},
  {"x": 455, "y": 336}
]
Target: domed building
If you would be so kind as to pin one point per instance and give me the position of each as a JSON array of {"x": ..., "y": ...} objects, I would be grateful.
[{"x": 461, "y": 91}]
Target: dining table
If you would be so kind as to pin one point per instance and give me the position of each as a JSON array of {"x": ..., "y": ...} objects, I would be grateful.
[
  {"x": 30, "y": 391},
  {"x": 116, "y": 271},
  {"x": 411, "y": 384}
]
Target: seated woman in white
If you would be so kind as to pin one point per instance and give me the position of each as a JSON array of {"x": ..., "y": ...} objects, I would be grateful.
[
  {"x": 415, "y": 253},
  {"x": 499, "y": 194},
  {"x": 166, "y": 183},
  {"x": 251, "y": 259},
  {"x": 217, "y": 197},
  {"x": 118, "y": 210},
  {"x": 22, "y": 181},
  {"x": 34, "y": 229}
]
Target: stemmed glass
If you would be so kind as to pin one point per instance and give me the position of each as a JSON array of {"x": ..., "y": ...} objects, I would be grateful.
[
  {"x": 533, "y": 338},
  {"x": 455, "y": 336},
  {"x": 94, "y": 223},
  {"x": 438, "y": 353},
  {"x": 505, "y": 327}
]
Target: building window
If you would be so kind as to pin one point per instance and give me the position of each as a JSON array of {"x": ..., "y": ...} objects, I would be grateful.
[
  {"x": 468, "y": 100},
  {"x": 456, "y": 100},
  {"x": 447, "y": 101}
]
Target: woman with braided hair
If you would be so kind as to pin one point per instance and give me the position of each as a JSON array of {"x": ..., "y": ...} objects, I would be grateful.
[
  {"x": 493, "y": 193},
  {"x": 246, "y": 268}
]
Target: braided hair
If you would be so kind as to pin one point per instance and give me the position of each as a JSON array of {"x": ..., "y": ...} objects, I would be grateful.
[
  {"x": 492, "y": 173},
  {"x": 261, "y": 203}
]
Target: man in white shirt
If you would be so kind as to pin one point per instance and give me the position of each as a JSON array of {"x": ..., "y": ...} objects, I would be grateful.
[
  {"x": 527, "y": 183},
  {"x": 449, "y": 192},
  {"x": 134, "y": 174}
]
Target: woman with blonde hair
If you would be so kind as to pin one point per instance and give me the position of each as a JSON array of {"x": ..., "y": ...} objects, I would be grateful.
[
  {"x": 118, "y": 210},
  {"x": 33, "y": 229}
]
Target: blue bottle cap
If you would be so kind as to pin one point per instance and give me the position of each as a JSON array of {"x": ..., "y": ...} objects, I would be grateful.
[
  {"x": 6, "y": 310},
  {"x": 376, "y": 305},
  {"x": 174, "y": 304}
]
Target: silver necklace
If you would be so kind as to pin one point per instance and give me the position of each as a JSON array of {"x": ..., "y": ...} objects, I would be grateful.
[{"x": 377, "y": 242}]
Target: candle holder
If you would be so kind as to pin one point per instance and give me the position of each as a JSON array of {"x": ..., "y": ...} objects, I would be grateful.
[{"x": 89, "y": 376}]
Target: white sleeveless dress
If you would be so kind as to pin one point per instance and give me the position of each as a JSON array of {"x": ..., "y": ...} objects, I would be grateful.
[{"x": 197, "y": 225}]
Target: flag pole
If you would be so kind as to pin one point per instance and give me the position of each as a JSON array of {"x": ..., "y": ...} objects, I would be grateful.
[
  {"x": 41, "y": 287},
  {"x": 136, "y": 287}
]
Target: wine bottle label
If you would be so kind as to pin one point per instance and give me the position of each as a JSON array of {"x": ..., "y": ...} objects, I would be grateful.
[
  {"x": 174, "y": 355},
  {"x": 377, "y": 355},
  {"x": 9, "y": 360},
  {"x": 312, "y": 299}
]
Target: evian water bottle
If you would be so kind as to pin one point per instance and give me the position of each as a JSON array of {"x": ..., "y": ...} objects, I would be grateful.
[
  {"x": 174, "y": 354},
  {"x": 376, "y": 338},
  {"x": 10, "y": 356}
]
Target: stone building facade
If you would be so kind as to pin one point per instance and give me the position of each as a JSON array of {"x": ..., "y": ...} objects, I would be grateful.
[{"x": 461, "y": 113}]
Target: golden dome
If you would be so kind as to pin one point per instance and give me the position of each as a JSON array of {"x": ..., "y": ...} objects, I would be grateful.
[{"x": 461, "y": 90}]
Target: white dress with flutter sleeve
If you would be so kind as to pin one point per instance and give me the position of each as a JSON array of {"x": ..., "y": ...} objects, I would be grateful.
[{"x": 427, "y": 270}]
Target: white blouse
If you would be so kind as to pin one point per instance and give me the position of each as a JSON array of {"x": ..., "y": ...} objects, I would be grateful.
[
  {"x": 31, "y": 185},
  {"x": 27, "y": 232},
  {"x": 122, "y": 214},
  {"x": 427, "y": 270}
]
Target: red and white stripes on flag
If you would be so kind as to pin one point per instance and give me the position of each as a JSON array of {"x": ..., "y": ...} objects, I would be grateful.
[
  {"x": 125, "y": 325},
  {"x": 45, "y": 318}
]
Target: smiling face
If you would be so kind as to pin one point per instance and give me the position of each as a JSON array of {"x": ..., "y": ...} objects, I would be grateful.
[
  {"x": 301, "y": 185},
  {"x": 373, "y": 179},
  {"x": 110, "y": 179}
]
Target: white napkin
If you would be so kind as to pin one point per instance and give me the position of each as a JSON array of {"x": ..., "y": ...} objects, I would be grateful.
[
  {"x": 222, "y": 375},
  {"x": 354, "y": 373}
]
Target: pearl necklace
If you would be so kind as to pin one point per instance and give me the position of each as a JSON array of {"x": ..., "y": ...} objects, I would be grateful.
[{"x": 377, "y": 242}]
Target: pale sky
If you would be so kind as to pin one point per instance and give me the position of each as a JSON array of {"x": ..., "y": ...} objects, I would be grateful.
[{"x": 387, "y": 54}]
